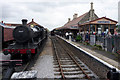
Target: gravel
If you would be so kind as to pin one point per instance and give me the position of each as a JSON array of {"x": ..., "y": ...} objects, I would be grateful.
[
  {"x": 44, "y": 66},
  {"x": 44, "y": 63}
]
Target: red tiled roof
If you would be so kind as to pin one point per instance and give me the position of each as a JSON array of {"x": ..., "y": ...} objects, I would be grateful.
[
  {"x": 11, "y": 24},
  {"x": 74, "y": 22},
  {"x": 34, "y": 23}
]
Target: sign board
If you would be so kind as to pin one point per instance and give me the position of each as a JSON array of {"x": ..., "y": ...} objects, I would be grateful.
[
  {"x": 103, "y": 22},
  {"x": 74, "y": 27}
]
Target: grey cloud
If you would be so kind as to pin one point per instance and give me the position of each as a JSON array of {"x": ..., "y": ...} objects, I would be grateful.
[
  {"x": 44, "y": 6},
  {"x": 54, "y": 13},
  {"x": 9, "y": 11},
  {"x": 6, "y": 12}
]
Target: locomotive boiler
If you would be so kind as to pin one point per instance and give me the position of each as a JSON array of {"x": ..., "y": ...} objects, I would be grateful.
[{"x": 27, "y": 40}]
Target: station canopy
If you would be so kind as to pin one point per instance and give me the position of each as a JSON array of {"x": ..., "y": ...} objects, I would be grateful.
[{"x": 102, "y": 21}]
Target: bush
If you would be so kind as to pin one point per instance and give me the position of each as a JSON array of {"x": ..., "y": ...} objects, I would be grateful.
[
  {"x": 78, "y": 38},
  {"x": 98, "y": 46}
]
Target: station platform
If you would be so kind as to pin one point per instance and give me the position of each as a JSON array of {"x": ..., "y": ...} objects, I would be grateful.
[
  {"x": 107, "y": 57},
  {"x": 44, "y": 63}
]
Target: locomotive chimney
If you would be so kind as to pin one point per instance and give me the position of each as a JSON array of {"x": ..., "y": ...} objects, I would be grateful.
[{"x": 24, "y": 21}]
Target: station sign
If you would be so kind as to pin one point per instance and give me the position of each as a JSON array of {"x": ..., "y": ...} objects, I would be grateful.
[
  {"x": 74, "y": 27},
  {"x": 103, "y": 22}
]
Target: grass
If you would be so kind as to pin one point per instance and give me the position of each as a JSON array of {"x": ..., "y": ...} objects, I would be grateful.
[{"x": 99, "y": 47}]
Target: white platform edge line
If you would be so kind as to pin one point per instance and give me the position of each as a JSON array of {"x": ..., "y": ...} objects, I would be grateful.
[{"x": 98, "y": 59}]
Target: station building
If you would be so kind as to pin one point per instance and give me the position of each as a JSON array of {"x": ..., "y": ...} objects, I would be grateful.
[
  {"x": 89, "y": 23},
  {"x": 73, "y": 25},
  {"x": 33, "y": 23}
]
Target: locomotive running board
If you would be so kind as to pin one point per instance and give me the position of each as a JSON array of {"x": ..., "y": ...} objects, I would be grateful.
[{"x": 24, "y": 75}]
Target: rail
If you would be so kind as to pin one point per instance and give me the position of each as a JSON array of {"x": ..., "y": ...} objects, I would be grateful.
[
  {"x": 70, "y": 54},
  {"x": 63, "y": 77},
  {"x": 63, "y": 64}
]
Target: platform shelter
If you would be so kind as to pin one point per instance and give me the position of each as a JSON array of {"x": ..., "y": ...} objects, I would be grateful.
[{"x": 99, "y": 26}]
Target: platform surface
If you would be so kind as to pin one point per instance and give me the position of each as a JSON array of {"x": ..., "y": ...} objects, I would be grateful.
[{"x": 44, "y": 63}]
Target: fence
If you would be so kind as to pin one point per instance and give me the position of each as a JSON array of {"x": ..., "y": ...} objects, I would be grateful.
[
  {"x": 108, "y": 43},
  {"x": 116, "y": 43}
]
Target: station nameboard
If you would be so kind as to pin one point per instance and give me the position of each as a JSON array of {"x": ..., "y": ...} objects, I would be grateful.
[
  {"x": 74, "y": 27},
  {"x": 103, "y": 22}
]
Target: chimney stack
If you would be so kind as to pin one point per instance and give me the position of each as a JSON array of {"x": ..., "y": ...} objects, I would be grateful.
[
  {"x": 91, "y": 5},
  {"x": 32, "y": 20},
  {"x": 91, "y": 12},
  {"x": 24, "y": 21},
  {"x": 75, "y": 16},
  {"x": 68, "y": 19}
]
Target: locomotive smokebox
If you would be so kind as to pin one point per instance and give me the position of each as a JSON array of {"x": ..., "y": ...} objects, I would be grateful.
[
  {"x": 24, "y": 21},
  {"x": 23, "y": 33}
]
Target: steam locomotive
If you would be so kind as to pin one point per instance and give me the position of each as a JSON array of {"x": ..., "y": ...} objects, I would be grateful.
[{"x": 27, "y": 40}]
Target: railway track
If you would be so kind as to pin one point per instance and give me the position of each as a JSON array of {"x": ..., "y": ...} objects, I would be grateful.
[{"x": 67, "y": 65}]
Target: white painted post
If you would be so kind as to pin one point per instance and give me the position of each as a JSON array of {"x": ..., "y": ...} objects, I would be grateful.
[{"x": 70, "y": 38}]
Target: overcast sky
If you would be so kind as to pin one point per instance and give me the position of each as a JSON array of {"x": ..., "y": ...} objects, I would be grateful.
[{"x": 54, "y": 13}]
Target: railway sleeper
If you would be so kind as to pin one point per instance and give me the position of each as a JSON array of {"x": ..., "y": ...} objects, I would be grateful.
[
  {"x": 66, "y": 67},
  {"x": 70, "y": 69},
  {"x": 79, "y": 76},
  {"x": 73, "y": 73}
]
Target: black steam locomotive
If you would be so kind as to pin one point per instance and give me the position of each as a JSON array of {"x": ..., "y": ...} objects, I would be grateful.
[{"x": 27, "y": 40}]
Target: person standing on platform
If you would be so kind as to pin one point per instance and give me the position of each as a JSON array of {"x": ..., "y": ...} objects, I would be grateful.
[{"x": 66, "y": 35}]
